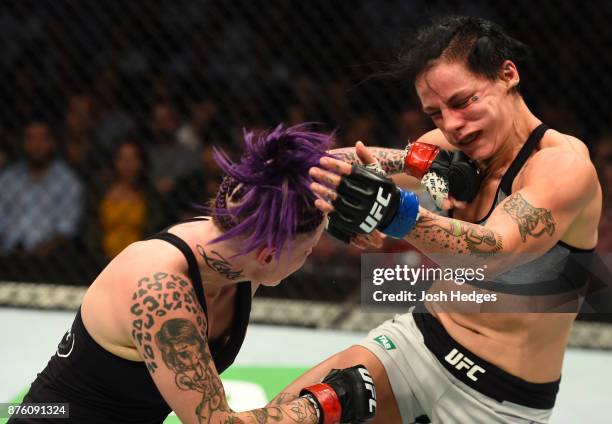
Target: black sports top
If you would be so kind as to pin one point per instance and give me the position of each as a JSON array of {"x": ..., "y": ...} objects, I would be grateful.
[{"x": 103, "y": 388}]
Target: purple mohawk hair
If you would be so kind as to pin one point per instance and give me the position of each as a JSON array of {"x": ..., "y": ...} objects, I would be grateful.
[{"x": 268, "y": 189}]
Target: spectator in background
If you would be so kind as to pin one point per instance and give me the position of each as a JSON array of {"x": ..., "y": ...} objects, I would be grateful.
[
  {"x": 169, "y": 159},
  {"x": 197, "y": 187},
  {"x": 602, "y": 158},
  {"x": 41, "y": 200},
  {"x": 130, "y": 208},
  {"x": 81, "y": 151}
]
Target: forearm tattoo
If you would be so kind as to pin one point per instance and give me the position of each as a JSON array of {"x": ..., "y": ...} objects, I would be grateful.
[
  {"x": 283, "y": 397},
  {"x": 391, "y": 160},
  {"x": 218, "y": 263},
  {"x": 183, "y": 344},
  {"x": 183, "y": 349},
  {"x": 453, "y": 236},
  {"x": 298, "y": 411},
  {"x": 531, "y": 221}
]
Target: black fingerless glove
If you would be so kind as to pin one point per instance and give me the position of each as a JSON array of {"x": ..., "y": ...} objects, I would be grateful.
[
  {"x": 344, "y": 396},
  {"x": 365, "y": 201},
  {"x": 463, "y": 176},
  {"x": 334, "y": 229}
]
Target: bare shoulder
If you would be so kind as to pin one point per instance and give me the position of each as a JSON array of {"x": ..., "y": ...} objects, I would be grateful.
[
  {"x": 560, "y": 163},
  {"x": 561, "y": 160},
  {"x": 562, "y": 173},
  {"x": 555, "y": 139},
  {"x": 144, "y": 257},
  {"x": 150, "y": 270}
]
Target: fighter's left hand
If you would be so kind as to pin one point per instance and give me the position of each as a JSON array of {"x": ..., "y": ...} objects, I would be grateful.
[
  {"x": 365, "y": 198},
  {"x": 329, "y": 172}
]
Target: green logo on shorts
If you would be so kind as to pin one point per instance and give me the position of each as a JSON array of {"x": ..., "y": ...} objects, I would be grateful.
[{"x": 385, "y": 342}]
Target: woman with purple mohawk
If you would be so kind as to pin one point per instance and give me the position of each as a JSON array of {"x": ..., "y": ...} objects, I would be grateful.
[{"x": 169, "y": 314}]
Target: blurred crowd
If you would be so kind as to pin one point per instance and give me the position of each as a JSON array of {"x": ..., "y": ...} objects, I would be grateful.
[
  {"x": 109, "y": 119},
  {"x": 73, "y": 195}
]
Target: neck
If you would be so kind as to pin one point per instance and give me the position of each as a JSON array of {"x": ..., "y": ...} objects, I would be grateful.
[
  {"x": 219, "y": 267},
  {"x": 127, "y": 184},
  {"x": 523, "y": 124}
]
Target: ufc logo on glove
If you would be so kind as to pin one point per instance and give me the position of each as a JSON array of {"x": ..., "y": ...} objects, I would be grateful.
[
  {"x": 367, "y": 201},
  {"x": 369, "y": 385},
  {"x": 376, "y": 213}
]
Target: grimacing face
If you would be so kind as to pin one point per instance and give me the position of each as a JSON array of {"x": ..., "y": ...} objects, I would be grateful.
[{"x": 474, "y": 113}]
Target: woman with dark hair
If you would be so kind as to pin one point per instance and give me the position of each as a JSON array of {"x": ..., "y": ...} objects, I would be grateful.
[
  {"x": 130, "y": 207},
  {"x": 169, "y": 314},
  {"x": 527, "y": 214}
]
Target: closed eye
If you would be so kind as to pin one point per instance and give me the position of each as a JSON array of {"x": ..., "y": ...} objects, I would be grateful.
[{"x": 463, "y": 103}]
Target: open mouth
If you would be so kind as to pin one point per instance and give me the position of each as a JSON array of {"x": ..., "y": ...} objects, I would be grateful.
[{"x": 470, "y": 138}]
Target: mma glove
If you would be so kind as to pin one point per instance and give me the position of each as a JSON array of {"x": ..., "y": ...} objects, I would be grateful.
[
  {"x": 344, "y": 396},
  {"x": 367, "y": 201},
  {"x": 333, "y": 228},
  {"x": 443, "y": 172}
]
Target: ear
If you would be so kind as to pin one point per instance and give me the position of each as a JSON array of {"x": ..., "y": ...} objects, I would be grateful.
[
  {"x": 265, "y": 255},
  {"x": 509, "y": 74}
]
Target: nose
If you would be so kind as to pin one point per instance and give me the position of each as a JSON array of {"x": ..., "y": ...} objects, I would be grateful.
[{"x": 452, "y": 120}]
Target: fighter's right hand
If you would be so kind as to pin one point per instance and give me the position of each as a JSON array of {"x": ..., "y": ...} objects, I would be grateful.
[
  {"x": 446, "y": 175},
  {"x": 344, "y": 396}
]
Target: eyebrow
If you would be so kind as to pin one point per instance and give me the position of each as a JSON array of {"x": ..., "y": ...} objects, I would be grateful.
[{"x": 458, "y": 95}]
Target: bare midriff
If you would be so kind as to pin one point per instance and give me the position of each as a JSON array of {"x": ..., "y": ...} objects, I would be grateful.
[{"x": 527, "y": 345}]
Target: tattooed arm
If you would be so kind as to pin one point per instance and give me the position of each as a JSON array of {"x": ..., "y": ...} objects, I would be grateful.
[
  {"x": 392, "y": 160},
  {"x": 531, "y": 220},
  {"x": 169, "y": 329}
]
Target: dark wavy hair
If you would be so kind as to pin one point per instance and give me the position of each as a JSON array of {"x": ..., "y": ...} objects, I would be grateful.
[
  {"x": 265, "y": 197},
  {"x": 481, "y": 45},
  {"x": 143, "y": 180}
]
